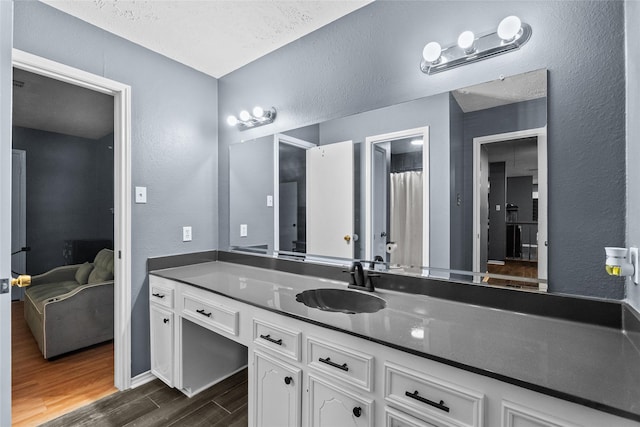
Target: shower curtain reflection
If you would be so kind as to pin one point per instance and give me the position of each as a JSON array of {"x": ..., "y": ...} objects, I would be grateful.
[{"x": 406, "y": 218}]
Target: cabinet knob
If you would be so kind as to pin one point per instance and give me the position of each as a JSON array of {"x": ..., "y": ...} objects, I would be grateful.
[
  {"x": 165, "y": 320},
  {"x": 357, "y": 411},
  {"x": 287, "y": 380}
]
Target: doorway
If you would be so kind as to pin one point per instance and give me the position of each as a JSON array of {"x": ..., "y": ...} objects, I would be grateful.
[
  {"x": 121, "y": 202},
  {"x": 510, "y": 208}
]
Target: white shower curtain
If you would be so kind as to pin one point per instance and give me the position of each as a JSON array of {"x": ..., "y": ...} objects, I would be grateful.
[{"x": 406, "y": 218}]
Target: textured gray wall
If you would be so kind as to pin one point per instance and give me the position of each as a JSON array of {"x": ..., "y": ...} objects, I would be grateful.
[
  {"x": 67, "y": 188},
  {"x": 174, "y": 141},
  {"x": 351, "y": 66},
  {"x": 633, "y": 137}
]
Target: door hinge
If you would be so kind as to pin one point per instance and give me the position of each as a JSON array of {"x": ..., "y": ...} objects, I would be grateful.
[
  {"x": 4, "y": 286},
  {"x": 119, "y": 254}
]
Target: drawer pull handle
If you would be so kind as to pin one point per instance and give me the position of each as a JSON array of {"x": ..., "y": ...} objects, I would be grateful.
[
  {"x": 357, "y": 411},
  {"x": 415, "y": 396},
  {"x": 328, "y": 361},
  {"x": 268, "y": 338},
  {"x": 203, "y": 313},
  {"x": 165, "y": 320},
  {"x": 158, "y": 295},
  {"x": 287, "y": 380}
]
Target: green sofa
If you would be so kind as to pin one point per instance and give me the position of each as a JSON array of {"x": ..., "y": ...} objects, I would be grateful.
[{"x": 71, "y": 307}]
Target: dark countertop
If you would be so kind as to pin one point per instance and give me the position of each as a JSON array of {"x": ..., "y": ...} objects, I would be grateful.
[{"x": 584, "y": 363}]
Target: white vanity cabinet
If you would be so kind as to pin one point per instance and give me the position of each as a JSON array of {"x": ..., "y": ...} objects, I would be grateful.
[
  {"x": 331, "y": 404},
  {"x": 162, "y": 357},
  {"x": 162, "y": 329},
  {"x": 277, "y": 392},
  {"x": 304, "y": 374}
]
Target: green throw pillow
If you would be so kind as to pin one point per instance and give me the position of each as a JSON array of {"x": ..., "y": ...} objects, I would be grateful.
[
  {"x": 83, "y": 272},
  {"x": 99, "y": 275}
]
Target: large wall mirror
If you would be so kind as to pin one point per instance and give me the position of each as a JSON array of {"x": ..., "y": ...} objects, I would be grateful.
[{"x": 452, "y": 185}]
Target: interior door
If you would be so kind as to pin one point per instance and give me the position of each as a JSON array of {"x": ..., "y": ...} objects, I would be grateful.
[
  {"x": 6, "y": 74},
  {"x": 18, "y": 217},
  {"x": 330, "y": 200}
]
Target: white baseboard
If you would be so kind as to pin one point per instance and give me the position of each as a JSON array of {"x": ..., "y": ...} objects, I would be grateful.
[{"x": 141, "y": 379}]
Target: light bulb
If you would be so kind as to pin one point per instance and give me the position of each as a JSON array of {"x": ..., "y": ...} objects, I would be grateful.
[
  {"x": 509, "y": 28},
  {"x": 466, "y": 40},
  {"x": 431, "y": 52},
  {"x": 258, "y": 112},
  {"x": 232, "y": 120},
  {"x": 244, "y": 115},
  {"x": 417, "y": 142}
]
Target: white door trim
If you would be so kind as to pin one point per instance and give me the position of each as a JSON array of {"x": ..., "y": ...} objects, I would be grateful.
[
  {"x": 122, "y": 191},
  {"x": 541, "y": 134},
  {"x": 277, "y": 140},
  {"x": 422, "y": 132}
]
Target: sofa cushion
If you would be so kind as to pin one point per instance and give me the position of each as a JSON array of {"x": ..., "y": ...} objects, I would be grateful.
[
  {"x": 82, "y": 275},
  {"x": 44, "y": 293},
  {"x": 103, "y": 267}
]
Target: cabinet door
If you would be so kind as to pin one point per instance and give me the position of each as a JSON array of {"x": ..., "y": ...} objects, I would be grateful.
[
  {"x": 331, "y": 405},
  {"x": 277, "y": 391},
  {"x": 161, "y": 325}
]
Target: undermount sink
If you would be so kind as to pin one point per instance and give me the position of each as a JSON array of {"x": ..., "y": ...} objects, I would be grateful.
[{"x": 341, "y": 301}]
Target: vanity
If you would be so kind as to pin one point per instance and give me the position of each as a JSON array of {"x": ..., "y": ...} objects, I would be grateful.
[{"x": 419, "y": 361}]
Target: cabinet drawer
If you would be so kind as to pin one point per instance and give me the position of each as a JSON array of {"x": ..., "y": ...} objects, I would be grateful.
[
  {"x": 342, "y": 363},
  {"x": 331, "y": 406},
  {"x": 210, "y": 313},
  {"x": 161, "y": 291},
  {"x": 400, "y": 419},
  {"x": 276, "y": 338},
  {"x": 431, "y": 398}
]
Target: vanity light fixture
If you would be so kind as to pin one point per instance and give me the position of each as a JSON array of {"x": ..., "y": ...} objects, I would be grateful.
[
  {"x": 246, "y": 120},
  {"x": 510, "y": 35}
]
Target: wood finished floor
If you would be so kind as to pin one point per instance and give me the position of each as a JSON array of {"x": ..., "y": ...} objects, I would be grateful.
[
  {"x": 155, "y": 404},
  {"x": 43, "y": 390}
]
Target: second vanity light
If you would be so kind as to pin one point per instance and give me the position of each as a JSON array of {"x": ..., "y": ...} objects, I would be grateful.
[
  {"x": 246, "y": 120},
  {"x": 510, "y": 35}
]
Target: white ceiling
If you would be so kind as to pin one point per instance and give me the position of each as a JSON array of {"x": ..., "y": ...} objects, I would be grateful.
[
  {"x": 518, "y": 88},
  {"x": 212, "y": 36}
]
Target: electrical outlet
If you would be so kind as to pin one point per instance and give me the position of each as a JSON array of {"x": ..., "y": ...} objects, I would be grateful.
[
  {"x": 243, "y": 230},
  {"x": 186, "y": 234}
]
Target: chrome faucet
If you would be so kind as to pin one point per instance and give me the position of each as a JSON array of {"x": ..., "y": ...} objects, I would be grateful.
[{"x": 360, "y": 279}]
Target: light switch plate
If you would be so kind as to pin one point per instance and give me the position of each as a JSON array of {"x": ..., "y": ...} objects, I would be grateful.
[
  {"x": 186, "y": 233},
  {"x": 270, "y": 201},
  {"x": 243, "y": 230},
  {"x": 141, "y": 194}
]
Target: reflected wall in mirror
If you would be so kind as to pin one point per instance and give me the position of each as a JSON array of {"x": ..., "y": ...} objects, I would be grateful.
[
  {"x": 466, "y": 224},
  {"x": 397, "y": 199}
]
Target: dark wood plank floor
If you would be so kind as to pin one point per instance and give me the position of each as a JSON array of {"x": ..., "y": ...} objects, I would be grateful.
[{"x": 155, "y": 404}]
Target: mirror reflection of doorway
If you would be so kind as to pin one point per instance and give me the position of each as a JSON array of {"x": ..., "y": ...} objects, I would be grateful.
[
  {"x": 511, "y": 220},
  {"x": 396, "y": 202}
]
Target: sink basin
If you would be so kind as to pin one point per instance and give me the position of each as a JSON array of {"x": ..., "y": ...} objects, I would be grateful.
[{"x": 341, "y": 301}]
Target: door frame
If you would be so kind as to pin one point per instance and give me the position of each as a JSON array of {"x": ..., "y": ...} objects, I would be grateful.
[
  {"x": 280, "y": 138},
  {"x": 422, "y": 132},
  {"x": 122, "y": 194},
  {"x": 541, "y": 135}
]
